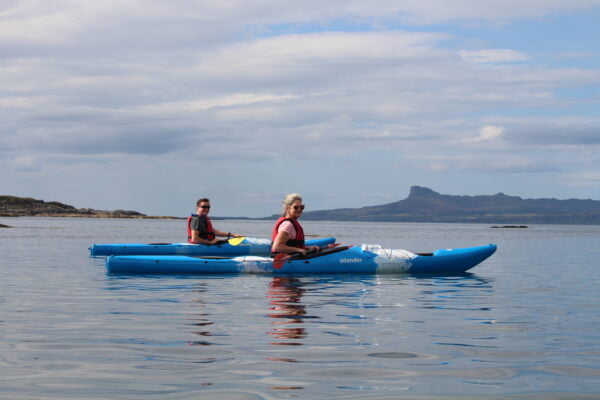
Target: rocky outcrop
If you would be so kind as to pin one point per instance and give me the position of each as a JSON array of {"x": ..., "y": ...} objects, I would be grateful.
[{"x": 13, "y": 206}]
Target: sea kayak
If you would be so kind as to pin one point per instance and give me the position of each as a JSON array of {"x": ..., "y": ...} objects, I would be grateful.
[
  {"x": 365, "y": 259},
  {"x": 232, "y": 247}
]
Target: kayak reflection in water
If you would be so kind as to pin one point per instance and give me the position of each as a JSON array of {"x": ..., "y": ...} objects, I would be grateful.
[
  {"x": 287, "y": 234},
  {"x": 285, "y": 294}
]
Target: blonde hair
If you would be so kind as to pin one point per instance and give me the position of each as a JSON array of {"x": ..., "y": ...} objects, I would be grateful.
[{"x": 288, "y": 200}]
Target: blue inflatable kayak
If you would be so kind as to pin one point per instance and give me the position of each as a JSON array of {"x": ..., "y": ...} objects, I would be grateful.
[
  {"x": 365, "y": 259},
  {"x": 232, "y": 247}
]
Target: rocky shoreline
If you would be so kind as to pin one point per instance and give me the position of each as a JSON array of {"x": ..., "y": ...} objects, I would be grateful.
[
  {"x": 13, "y": 206},
  {"x": 97, "y": 214}
]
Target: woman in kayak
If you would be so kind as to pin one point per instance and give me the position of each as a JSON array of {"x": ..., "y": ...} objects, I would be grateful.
[
  {"x": 200, "y": 229},
  {"x": 287, "y": 234}
]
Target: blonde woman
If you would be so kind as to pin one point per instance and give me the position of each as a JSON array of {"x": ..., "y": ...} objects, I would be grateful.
[{"x": 287, "y": 234}]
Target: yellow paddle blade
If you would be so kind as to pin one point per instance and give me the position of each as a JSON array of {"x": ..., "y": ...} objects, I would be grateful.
[{"x": 236, "y": 241}]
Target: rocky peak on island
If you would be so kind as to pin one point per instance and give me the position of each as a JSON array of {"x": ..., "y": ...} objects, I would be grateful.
[{"x": 420, "y": 191}]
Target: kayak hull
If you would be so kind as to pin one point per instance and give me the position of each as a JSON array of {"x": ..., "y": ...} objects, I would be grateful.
[
  {"x": 353, "y": 260},
  {"x": 249, "y": 246}
]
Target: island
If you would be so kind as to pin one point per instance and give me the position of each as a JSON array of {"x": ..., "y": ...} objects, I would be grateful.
[
  {"x": 13, "y": 206},
  {"x": 426, "y": 205}
]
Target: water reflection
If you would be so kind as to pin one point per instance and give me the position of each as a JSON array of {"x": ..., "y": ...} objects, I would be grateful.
[
  {"x": 201, "y": 322},
  {"x": 287, "y": 310}
]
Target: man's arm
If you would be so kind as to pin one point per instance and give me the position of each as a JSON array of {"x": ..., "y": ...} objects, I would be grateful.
[
  {"x": 225, "y": 234},
  {"x": 197, "y": 239}
]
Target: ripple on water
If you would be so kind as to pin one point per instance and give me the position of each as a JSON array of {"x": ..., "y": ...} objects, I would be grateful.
[
  {"x": 475, "y": 373},
  {"x": 393, "y": 355},
  {"x": 353, "y": 373},
  {"x": 569, "y": 370}
]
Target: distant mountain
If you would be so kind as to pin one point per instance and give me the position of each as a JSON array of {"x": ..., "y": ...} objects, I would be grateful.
[
  {"x": 426, "y": 205},
  {"x": 13, "y": 206}
]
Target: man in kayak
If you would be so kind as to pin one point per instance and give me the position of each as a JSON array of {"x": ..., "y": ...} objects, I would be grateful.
[
  {"x": 200, "y": 229},
  {"x": 287, "y": 234}
]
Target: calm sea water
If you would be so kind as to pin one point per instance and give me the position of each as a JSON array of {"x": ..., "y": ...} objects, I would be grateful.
[{"x": 524, "y": 324}]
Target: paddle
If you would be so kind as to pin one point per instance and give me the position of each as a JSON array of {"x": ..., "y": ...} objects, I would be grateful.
[
  {"x": 236, "y": 240},
  {"x": 280, "y": 259}
]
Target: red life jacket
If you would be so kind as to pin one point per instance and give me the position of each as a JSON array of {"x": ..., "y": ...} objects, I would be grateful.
[
  {"x": 208, "y": 235},
  {"x": 298, "y": 242}
]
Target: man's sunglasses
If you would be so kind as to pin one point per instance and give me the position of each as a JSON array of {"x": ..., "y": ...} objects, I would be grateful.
[{"x": 205, "y": 207}]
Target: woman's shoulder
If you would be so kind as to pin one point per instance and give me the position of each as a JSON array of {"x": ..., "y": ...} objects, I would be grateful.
[
  {"x": 286, "y": 226},
  {"x": 286, "y": 223}
]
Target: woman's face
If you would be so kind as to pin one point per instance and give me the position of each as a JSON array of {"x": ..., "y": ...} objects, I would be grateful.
[{"x": 295, "y": 209}]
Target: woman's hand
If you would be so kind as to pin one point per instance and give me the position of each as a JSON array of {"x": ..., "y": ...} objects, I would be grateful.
[{"x": 309, "y": 249}]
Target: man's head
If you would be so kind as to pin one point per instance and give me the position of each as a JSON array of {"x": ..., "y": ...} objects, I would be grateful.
[{"x": 203, "y": 206}]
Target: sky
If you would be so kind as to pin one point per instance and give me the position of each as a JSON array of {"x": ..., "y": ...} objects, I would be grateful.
[{"x": 149, "y": 105}]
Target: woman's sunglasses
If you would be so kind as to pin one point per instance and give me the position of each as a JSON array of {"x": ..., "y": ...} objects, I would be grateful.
[{"x": 298, "y": 207}]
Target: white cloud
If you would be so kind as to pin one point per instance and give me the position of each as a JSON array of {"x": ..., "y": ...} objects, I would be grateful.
[
  {"x": 36, "y": 21},
  {"x": 493, "y": 56},
  {"x": 151, "y": 23},
  {"x": 316, "y": 59},
  {"x": 26, "y": 163},
  {"x": 233, "y": 100},
  {"x": 490, "y": 133}
]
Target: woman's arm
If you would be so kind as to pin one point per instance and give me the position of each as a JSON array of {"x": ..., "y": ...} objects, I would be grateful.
[{"x": 279, "y": 245}]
